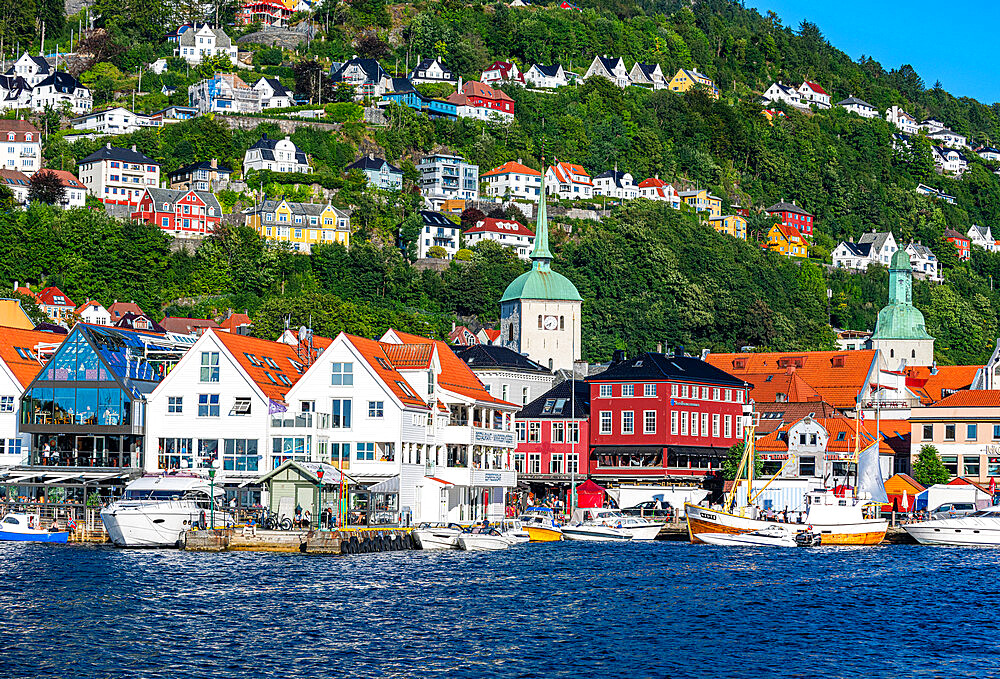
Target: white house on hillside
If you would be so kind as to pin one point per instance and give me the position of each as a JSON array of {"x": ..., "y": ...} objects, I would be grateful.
[
  {"x": 616, "y": 184},
  {"x": 647, "y": 75},
  {"x": 546, "y": 77},
  {"x": 783, "y": 93},
  {"x": 568, "y": 181},
  {"x": 612, "y": 68},
  {"x": 200, "y": 41},
  {"x": 859, "y": 106},
  {"x": 812, "y": 93},
  {"x": 983, "y": 237},
  {"x": 906, "y": 123},
  {"x": 949, "y": 160},
  {"x": 871, "y": 248},
  {"x": 923, "y": 262}
]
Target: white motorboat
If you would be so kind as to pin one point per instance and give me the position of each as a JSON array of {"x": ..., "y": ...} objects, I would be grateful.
[
  {"x": 430, "y": 536},
  {"x": 640, "y": 528},
  {"x": 514, "y": 531},
  {"x": 771, "y": 536},
  {"x": 981, "y": 528},
  {"x": 483, "y": 539},
  {"x": 595, "y": 532},
  {"x": 18, "y": 527},
  {"x": 156, "y": 511}
]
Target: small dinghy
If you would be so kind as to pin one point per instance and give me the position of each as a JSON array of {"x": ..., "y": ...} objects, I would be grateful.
[{"x": 771, "y": 536}]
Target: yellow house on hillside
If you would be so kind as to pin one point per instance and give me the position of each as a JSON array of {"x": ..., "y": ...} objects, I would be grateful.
[
  {"x": 787, "y": 240},
  {"x": 301, "y": 224},
  {"x": 701, "y": 200},
  {"x": 688, "y": 78},
  {"x": 732, "y": 225}
]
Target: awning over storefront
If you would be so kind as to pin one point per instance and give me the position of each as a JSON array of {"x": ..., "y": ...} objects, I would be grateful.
[
  {"x": 698, "y": 451},
  {"x": 388, "y": 486},
  {"x": 624, "y": 450},
  {"x": 60, "y": 477}
]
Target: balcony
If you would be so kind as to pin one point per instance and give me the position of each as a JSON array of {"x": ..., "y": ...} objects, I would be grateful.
[{"x": 301, "y": 421}]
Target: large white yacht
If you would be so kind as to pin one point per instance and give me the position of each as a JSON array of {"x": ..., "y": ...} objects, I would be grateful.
[
  {"x": 980, "y": 528},
  {"x": 155, "y": 511}
]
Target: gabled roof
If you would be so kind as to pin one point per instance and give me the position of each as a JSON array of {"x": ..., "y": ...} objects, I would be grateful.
[
  {"x": 372, "y": 69},
  {"x": 653, "y": 182},
  {"x": 19, "y": 128},
  {"x": 550, "y": 71},
  {"x": 61, "y": 82},
  {"x": 409, "y": 356},
  {"x": 971, "y": 398},
  {"x": 610, "y": 63},
  {"x": 843, "y": 433},
  {"x": 53, "y": 296},
  {"x": 276, "y": 87},
  {"x": 653, "y": 366},
  {"x": 267, "y": 147},
  {"x": 14, "y": 178},
  {"x": 617, "y": 177},
  {"x": 512, "y": 166},
  {"x": 487, "y": 356},
  {"x": 782, "y": 206},
  {"x": 17, "y": 350},
  {"x": 235, "y": 321},
  {"x": 370, "y": 162},
  {"x": 40, "y": 62},
  {"x": 92, "y": 303},
  {"x": 109, "y": 152},
  {"x": 877, "y": 240},
  {"x": 455, "y": 376},
  {"x": 437, "y": 219},
  {"x": 647, "y": 70},
  {"x": 560, "y": 402},
  {"x": 263, "y": 373},
  {"x": 200, "y": 165},
  {"x": 952, "y": 234},
  {"x": 570, "y": 173},
  {"x": 186, "y": 326},
  {"x": 930, "y": 384},
  {"x": 775, "y": 415},
  {"x": 983, "y": 232},
  {"x": 790, "y": 233},
  {"x": 838, "y": 376},
  {"x": 171, "y": 196},
  {"x": 814, "y": 87},
  {"x": 377, "y": 355},
  {"x": 67, "y": 179},
  {"x": 129, "y": 320},
  {"x": 493, "y": 225},
  {"x": 857, "y": 249},
  {"x": 505, "y": 68},
  {"x": 793, "y": 387},
  {"x": 119, "y": 309},
  {"x": 854, "y": 101},
  {"x": 474, "y": 88}
]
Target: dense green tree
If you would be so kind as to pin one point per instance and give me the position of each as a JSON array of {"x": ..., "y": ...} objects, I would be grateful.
[{"x": 928, "y": 468}]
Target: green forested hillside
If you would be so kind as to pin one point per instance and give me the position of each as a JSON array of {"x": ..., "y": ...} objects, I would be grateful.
[{"x": 648, "y": 274}]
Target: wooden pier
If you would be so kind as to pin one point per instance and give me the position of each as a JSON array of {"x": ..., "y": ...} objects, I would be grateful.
[{"x": 343, "y": 541}]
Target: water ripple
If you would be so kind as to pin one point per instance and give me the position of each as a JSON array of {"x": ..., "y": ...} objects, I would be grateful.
[{"x": 546, "y": 610}]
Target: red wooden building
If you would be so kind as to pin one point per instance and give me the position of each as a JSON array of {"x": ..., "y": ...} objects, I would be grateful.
[
  {"x": 660, "y": 416},
  {"x": 792, "y": 215},
  {"x": 193, "y": 213},
  {"x": 553, "y": 435},
  {"x": 963, "y": 246}
]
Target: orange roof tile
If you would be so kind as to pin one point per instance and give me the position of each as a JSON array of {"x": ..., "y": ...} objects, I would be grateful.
[
  {"x": 838, "y": 376},
  {"x": 12, "y": 339},
  {"x": 412, "y": 356},
  {"x": 22, "y": 290},
  {"x": 492, "y": 333},
  {"x": 375, "y": 353},
  {"x": 948, "y": 377},
  {"x": 842, "y": 431},
  {"x": 790, "y": 233},
  {"x": 269, "y": 379},
  {"x": 89, "y": 303},
  {"x": 971, "y": 398},
  {"x": 51, "y": 294},
  {"x": 767, "y": 386},
  {"x": 455, "y": 375},
  {"x": 235, "y": 321},
  {"x": 512, "y": 166}
]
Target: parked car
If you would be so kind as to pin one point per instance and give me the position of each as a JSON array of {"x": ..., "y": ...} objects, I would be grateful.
[{"x": 953, "y": 510}]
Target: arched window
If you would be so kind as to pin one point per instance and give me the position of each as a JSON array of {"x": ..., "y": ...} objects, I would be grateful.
[
  {"x": 892, "y": 353},
  {"x": 539, "y": 321},
  {"x": 562, "y": 322},
  {"x": 550, "y": 364},
  {"x": 913, "y": 353},
  {"x": 510, "y": 332}
]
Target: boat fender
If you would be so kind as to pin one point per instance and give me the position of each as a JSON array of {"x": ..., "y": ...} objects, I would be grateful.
[{"x": 201, "y": 520}]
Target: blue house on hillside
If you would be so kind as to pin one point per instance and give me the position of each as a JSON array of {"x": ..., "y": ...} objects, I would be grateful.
[{"x": 405, "y": 94}]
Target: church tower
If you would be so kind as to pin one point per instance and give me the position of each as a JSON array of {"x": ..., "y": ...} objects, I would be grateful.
[
  {"x": 540, "y": 312},
  {"x": 899, "y": 331}
]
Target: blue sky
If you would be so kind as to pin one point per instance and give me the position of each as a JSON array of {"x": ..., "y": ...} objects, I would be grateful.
[{"x": 921, "y": 33}]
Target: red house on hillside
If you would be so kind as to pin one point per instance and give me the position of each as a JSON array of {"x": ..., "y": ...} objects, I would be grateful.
[
  {"x": 553, "y": 435},
  {"x": 191, "y": 213},
  {"x": 792, "y": 215},
  {"x": 962, "y": 243},
  {"x": 658, "y": 416}
]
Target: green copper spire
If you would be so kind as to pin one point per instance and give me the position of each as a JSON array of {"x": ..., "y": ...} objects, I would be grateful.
[
  {"x": 540, "y": 255},
  {"x": 899, "y": 319}
]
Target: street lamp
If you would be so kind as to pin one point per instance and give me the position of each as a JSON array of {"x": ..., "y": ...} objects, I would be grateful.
[
  {"x": 211, "y": 480},
  {"x": 319, "y": 497}
]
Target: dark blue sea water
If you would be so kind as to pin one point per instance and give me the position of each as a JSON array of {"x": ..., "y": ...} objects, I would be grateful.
[{"x": 545, "y": 610}]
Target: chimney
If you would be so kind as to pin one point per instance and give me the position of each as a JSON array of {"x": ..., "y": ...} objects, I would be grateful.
[
  {"x": 108, "y": 145},
  {"x": 133, "y": 148},
  {"x": 214, "y": 164},
  {"x": 659, "y": 347}
]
